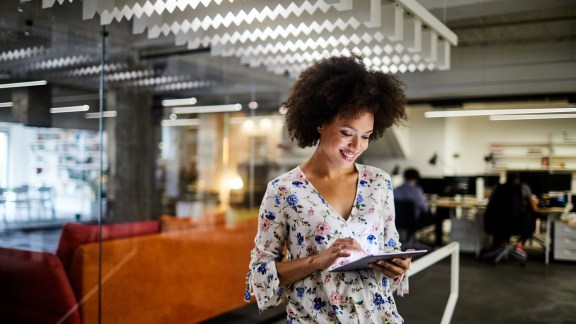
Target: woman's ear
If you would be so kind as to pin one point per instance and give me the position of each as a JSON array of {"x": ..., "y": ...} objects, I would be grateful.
[{"x": 319, "y": 129}]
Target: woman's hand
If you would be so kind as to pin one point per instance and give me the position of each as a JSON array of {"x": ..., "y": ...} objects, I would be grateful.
[
  {"x": 291, "y": 271},
  {"x": 340, "y": 248},
  {"x": 393, "y": 268}
]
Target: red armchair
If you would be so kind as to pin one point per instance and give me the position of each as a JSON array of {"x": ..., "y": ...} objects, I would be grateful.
[{"x": 34, "y": 288}]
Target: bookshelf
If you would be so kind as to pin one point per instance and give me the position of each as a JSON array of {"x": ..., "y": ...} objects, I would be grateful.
[
  {"x": 555, "y": 155},
  {"x": 59, "y": 154}
]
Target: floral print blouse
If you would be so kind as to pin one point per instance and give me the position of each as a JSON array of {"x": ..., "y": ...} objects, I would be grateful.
[{"x": 294, "y": 214}]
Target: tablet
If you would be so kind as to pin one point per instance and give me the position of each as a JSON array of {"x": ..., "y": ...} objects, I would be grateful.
[{"x": 362, "y": 263}]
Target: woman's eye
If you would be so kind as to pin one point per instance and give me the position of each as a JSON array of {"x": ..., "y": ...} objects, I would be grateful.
[
  {"x": 366, "y": 137},
  {"x": 346, "y": 133}
]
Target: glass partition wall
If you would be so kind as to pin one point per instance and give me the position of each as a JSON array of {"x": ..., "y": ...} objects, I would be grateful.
[
  {"x": 50, "y": 143},
  {"x": 112, "y": 199}
]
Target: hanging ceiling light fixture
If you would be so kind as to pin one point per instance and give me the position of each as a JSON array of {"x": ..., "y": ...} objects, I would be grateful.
[
  {"x": 23, "y": 84},
  {"x": 179, "y": 102},
  {"x": 104, "y": 114},
  {"x": 206, "y": 109},
  {"x": 494, "y": 112},
  {"x": 532, "y": 117},
  {"x": 69, "y": 109},
  {"x": 286, "y": 37}
]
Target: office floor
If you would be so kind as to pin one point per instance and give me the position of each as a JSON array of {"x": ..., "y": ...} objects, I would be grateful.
[
  {"x": 498, "y": 294},
  {"x": 41, "y": 237},
  {"x": 503, "y": 293}
]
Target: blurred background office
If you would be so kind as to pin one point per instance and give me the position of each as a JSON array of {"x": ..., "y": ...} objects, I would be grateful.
[{"x": 167, "y": 116}]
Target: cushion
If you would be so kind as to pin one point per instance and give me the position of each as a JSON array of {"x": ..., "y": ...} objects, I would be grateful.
[
  {"x": 76, "y": 234},
  {"x": 35, "y": 289}
]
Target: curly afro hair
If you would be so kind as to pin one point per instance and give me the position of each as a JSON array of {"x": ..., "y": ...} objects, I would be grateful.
[{"x": 342, "y": 86}]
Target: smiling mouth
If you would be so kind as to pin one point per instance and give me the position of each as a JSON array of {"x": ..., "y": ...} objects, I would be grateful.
[{"x": 348, "y": 155}]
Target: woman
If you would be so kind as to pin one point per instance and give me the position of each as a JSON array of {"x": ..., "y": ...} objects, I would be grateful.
[{"x": 329, "y": 210}]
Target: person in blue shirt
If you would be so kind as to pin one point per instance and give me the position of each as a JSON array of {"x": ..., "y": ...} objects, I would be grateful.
[{"x": 411, "y": 191}]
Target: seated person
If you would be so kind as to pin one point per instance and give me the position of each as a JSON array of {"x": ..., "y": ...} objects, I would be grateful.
[
  {"x": 509, "y": 212},
  {"x": 411, "y": 191}
]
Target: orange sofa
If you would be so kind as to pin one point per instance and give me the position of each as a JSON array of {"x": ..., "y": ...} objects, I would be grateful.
[
  {"x": 35, "y": 287},
  {"x": 181, "y": 276},
  {"x": 190, "y": 271}
]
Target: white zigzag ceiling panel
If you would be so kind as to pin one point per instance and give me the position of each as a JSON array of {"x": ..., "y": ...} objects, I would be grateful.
[
  {"x": 286, "y": 37},
  {"x": 18, "y": 54}
]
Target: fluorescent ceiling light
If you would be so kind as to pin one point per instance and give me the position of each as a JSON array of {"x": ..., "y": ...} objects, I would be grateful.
[
  {"x": 181, "y": 122},
  {"x": 489, "y": 112},
  {"x": 528, "y": 117},
  {"x": 105, "y": 114},
  {"x": 23, "y": 84},
  {"x": 59, "y": 110},
  {"x": 6, "y": 104},
  {"x": 206, "y": 109},
  {"x": 179, "y": 102}
]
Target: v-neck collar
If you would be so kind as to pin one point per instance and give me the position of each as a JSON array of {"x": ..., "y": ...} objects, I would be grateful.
[{"x": 325, "y": 202}]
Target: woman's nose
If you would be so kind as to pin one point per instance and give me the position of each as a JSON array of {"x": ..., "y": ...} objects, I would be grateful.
[{"x": 355, "y": 142}]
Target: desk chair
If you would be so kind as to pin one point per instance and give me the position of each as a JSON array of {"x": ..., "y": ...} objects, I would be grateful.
[
  {"x": 505, "y": 253},
  {"x": 22, "y": 199},
  {"x": 45, "y": 200},
  {"x": 407, "y": 225},
  {"x": 508, "y": 215}
]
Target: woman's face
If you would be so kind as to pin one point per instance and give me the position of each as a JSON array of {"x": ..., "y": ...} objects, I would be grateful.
[{"x": 343, "y": 140}]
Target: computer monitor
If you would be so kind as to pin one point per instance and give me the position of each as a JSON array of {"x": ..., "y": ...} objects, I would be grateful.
[
  {"x": 452, "y": 185},
  {"x": 541, "y": 182},
  {"x": 432, "y": 185}
]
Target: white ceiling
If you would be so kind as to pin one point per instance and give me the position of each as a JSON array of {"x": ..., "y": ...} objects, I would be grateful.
[{"x": 506, "y": 49}]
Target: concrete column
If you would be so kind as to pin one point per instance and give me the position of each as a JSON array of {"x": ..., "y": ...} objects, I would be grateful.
[
  {"x": 31, "y": 106},
  {"x": 133, "y": 138}
]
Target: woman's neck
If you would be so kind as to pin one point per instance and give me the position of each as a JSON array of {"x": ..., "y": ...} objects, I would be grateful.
[{"x": 317, "y": 166}]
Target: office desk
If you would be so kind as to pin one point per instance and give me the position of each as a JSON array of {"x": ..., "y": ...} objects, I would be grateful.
[
  {"x": 467, "y": 228},
  {"x": 444, "y": 202},
  {"x": 551, "y": 213},
  {"x": 463, "y": 229}
]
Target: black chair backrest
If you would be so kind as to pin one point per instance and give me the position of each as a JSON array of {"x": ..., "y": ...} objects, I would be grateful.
[{"x": 405, "y": 215}]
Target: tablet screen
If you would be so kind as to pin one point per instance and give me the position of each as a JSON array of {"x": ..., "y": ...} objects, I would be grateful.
[{"x": 362, "y": 263}]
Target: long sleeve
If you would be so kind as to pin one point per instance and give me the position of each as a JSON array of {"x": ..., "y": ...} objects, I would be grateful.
[{"x": 262, "y": 281}]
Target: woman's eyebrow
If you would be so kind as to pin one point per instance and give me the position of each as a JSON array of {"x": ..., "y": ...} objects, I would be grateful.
[{"x": 354, "y": 129}]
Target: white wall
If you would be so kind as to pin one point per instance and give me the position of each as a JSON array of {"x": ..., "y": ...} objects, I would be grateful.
[
  {"x": 426, "y": 136},
  {"x": 469, "y": 137}
]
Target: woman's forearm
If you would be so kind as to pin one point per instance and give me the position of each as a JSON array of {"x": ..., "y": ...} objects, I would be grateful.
[{"x": 291, "y": 271}]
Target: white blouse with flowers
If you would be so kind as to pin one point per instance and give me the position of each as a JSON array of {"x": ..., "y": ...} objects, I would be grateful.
[{"x": 295, "y": 214}]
